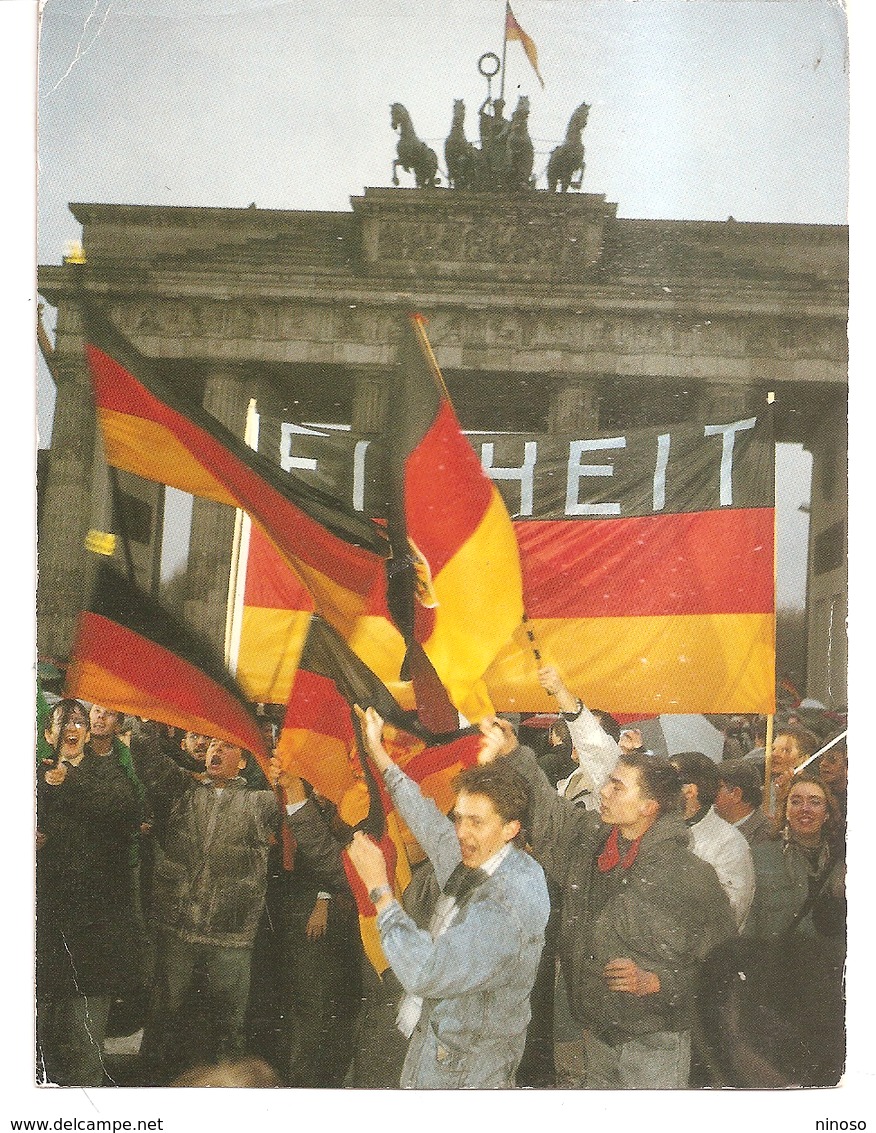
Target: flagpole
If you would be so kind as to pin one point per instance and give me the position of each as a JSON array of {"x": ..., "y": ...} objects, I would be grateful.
[
  {"x": 768, "y": 742},
  {"x": 536, "y": 652},
  {"x": 768, "y": 766},
  {"x": 239, "y": 555},
  {"x": 418, "y": 322},
  {"x": 504, "y": 49},
  {"x": 118, "y": 508}
]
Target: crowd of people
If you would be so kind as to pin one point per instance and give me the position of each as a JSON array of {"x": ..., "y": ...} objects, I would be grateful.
[{"x": 590, "y": 914}]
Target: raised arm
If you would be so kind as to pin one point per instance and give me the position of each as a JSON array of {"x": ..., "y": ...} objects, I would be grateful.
[
  {"x": 555, "y": 824},
  {"x": 433, "y": 830},
  {"x": 597, "y": 751}
]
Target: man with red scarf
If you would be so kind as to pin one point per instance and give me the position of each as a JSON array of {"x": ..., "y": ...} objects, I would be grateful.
[{"x": 639, "y": 914}]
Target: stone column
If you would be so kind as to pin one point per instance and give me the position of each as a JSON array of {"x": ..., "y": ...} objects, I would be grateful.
[
  {"x": 370, "y": 401},
  {"x": 226, "y": 398},
  {"x": 827, "y": 582},
  {"x": 66, "y": 513},
  {"x": 574, "y": 408}
]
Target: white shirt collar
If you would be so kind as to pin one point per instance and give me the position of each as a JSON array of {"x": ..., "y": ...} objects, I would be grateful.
[{"x": 492, "y": 864}]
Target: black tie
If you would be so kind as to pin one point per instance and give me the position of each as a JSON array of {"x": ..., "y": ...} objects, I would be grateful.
[{"x": 462, "y": 881}]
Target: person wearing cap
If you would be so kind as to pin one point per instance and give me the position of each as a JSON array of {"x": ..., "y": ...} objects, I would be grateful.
[{"x": 739, "y": 799}]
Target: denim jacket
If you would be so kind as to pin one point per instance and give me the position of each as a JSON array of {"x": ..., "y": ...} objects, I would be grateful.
[{"x": 475, "y": 979}]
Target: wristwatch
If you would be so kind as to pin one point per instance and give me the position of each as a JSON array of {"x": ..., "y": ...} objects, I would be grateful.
[{"x": 379, "y": 891}]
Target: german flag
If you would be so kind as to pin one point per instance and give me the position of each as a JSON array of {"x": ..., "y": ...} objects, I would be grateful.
[
  {"x": 513, "y": 30},
  {"x": 454, "y": 578},
  {"x": 320, "y": 740},
  {"x": 274, "y": 622},
  {"x": 319, "y": 737},
  {"x": 667, "y": 607},
  {"x": 151, "y": 430},
  {"x": 647, "y": 563},
  {"x": 131, "y": 653}
]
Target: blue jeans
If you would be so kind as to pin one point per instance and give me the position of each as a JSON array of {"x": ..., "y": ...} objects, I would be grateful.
[{"x": 660, "y": 1061}]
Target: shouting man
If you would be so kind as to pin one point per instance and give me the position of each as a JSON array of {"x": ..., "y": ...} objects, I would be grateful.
[{"x": 468, "y": 978}]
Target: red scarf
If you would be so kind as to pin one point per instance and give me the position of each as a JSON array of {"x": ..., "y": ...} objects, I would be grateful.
[{"x": 610, "y": 856}]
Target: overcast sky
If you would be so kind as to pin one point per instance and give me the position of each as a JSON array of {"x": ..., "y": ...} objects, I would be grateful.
[{"x": 699, "y": 110}]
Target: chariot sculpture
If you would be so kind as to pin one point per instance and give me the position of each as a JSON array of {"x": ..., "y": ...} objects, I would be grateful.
[{"x": 505, "y": 158}]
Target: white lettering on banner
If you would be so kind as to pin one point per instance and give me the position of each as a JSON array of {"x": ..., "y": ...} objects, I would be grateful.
[
  {"x": 287, "y": 460},
  {"x": 659, "y": 494},
  {"x": 544, "y": 455},
  {"x": 728, "y": 433},
  {"x": 359, "y": 451},
  {"x": 525, "y": 473},
  {"x": 578, "y": 471}
]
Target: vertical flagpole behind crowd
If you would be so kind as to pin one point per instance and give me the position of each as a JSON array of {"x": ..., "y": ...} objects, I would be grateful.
[{"x": 769, "y": 806}]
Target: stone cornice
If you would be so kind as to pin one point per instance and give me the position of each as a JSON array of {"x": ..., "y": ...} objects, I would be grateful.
[{"x": 727, "y": 297}]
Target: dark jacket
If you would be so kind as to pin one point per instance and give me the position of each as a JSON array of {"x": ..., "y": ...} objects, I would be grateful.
[
  {"x": 756, "y": 828},
  {"x": 210, "y": 872},
  {"x": 84, "y": 898},
  {"x": 782, "y": 874},
  {"x": 668, "y": 913}
]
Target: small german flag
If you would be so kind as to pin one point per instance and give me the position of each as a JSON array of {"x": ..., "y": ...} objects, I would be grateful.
[
  {"x": 513, "y": 30},
  {"x": 321, "y": 741},
  {"x": 158, "y": 433},
  {"x": 130, "y": 653},
  {"x": 455, "y": 585}
]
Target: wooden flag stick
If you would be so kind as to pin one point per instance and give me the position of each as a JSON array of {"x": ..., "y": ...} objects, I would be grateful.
[{"x": 768, "y": 766}]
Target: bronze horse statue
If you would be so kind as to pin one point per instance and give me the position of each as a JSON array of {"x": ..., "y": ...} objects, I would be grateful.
[
  {"x": 414, "y": 156},
  {"x": 463, "y": 159},
  {"x": 567, "y": 159}
]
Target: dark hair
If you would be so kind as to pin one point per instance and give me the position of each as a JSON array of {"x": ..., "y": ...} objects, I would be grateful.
[
  {"x": 696, "y": 768},
  {"x": 501, "y": 784},
  {"x": 561, "y": 730},
  {"x": 62, "y": 710},
  {"x": 742, "y": 773},
  {"x": 608, "y": 723},
  {"x": 759, "y": 730},
  {"x": 658, "y": 779}
]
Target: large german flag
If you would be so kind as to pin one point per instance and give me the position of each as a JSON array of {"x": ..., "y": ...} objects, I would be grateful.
[
  {"x": 157, "y": 433},
  {"x": 647, "y": 562},
  {"x": 455, "y": 582},
  {"x": 133, "y": 655},
  {"x": 663, "y": 599}
]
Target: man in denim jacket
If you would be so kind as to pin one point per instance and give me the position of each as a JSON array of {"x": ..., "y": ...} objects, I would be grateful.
[{"x": 468, "y": 979}]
